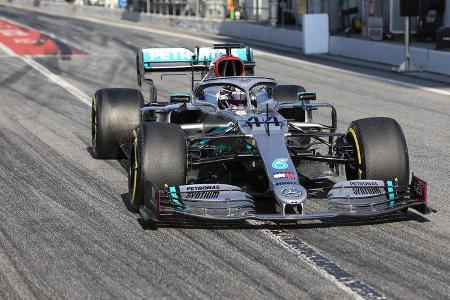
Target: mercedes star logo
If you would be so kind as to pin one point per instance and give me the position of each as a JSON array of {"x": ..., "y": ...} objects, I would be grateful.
[{"x": 292, "y": 193}]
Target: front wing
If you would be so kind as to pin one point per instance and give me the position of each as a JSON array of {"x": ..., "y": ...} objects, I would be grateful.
[{"x": 348, "y": 199}]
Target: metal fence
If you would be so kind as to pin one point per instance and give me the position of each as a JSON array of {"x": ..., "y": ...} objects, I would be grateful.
[
  {"x": 283, "y": 13},
  {"x": 193, "y": 8}
]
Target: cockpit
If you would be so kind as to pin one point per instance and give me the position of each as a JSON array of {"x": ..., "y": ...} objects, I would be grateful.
[{"x": 231, "y": 95}]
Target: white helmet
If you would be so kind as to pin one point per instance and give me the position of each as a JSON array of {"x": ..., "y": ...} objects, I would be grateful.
[{"x": 232, "y": 98}]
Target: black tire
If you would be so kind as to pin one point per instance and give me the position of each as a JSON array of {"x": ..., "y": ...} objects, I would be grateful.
[
  {"x": 115, "y": 114},
  {"x": 380, "y": 150},
  {"x": 158, "y": 156},
  {"x": 287, "y": 93}
]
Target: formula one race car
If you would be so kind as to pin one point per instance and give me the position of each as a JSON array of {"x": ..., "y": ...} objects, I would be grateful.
[{"x": 240, "y": 146}]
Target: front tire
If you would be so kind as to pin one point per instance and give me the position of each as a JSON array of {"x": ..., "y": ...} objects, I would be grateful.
[
  {"x": 380, "y": 150},
  {"x": 158, "y": 156}
]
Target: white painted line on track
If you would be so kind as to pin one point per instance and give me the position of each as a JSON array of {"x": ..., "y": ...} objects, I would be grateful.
[
  {"x": 257, "y": 52},
  {"x": 80, "y": 95},
  {"x": 327, "y": 268},
  {"x": 58, "y": 80}
]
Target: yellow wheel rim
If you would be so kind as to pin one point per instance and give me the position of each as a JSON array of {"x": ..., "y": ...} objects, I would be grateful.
[
  {"x": 135, "y": 167},
  {"x": 358, "y": 151}
]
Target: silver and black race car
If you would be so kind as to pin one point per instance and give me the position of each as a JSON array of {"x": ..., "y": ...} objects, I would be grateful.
[{"x": 241, "y": 147}]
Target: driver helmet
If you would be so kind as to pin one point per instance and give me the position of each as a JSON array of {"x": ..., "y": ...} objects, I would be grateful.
[{"x": 232, "y": 98}]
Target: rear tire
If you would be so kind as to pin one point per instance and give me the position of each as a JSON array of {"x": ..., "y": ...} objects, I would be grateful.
[
  {"x": 287, "y": 93},
  {"x": 381, "y": 152},
  {"x": 158, "y": 156},
  {"x": 115, "y": 113}
]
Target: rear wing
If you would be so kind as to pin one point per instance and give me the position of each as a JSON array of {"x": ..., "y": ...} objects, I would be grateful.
[{"x": 168, "y": 60}]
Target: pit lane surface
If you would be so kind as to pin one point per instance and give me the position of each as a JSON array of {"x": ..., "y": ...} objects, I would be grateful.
[{"x": 65, "y": 230}]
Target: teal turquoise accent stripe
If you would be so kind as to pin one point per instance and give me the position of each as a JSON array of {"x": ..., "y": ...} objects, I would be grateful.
[
  {"x": 241, "y": 53},
  {"x": 183, "y": 56},
  {"x": 159, "y": 55},
  {"x": 391, "y": 194},
  {"x": 173, "y": 195},
  {"x": 208, "y": 54}
]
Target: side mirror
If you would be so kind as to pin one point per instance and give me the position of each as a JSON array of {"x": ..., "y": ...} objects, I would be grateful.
[
  {"x": 180, "y": 98},
  {"x": 302, "y": 96}
]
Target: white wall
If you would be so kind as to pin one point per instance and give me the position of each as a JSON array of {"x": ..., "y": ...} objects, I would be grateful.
[
  {"x": 392, "y": 54},
  {"x": 316, "y": 36}
]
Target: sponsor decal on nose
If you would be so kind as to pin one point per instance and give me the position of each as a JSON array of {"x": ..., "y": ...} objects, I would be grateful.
[
  {"x": 286, "y": 175},
  {"x": 280, "y": 163}
]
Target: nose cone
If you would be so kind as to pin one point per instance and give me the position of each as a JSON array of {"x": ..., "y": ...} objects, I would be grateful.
[{"x": 290, "y": 194}]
